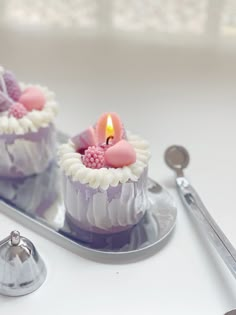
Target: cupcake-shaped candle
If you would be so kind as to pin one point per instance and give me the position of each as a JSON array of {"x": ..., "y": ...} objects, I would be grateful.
[
  {"x": 105, "y": 177},
  {"x": 27, "y": 133}
]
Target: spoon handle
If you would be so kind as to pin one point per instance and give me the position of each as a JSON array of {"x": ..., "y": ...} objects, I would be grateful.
[{"x": 194, "y": 204}]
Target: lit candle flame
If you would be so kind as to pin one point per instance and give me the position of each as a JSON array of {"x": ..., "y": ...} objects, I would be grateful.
[{"x": 109, "y": 127}]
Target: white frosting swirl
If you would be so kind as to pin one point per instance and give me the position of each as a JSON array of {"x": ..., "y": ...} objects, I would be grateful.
[
  {"x": 35, "y": 119},
  {"x": 71, "y": 163}
]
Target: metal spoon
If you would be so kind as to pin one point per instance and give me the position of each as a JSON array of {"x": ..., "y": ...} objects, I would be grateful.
[{"x": 177, "y": 158}]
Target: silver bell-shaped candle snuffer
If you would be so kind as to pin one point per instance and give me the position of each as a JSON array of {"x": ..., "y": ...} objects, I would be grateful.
[{"x": 22, "y": 270}]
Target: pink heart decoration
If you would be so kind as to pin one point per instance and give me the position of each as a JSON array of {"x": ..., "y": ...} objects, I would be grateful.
[
  {"x": 120, "y": 154},
  {"x": 32, "y": 98}
]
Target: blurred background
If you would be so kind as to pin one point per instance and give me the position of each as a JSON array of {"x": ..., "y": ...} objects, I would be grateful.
[
  {"x": 123, "y": 54},
  {"x": 168, "y": 67}
]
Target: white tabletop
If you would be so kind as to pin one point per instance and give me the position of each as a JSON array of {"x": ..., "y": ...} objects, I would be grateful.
[{"x": 171, "y": 85}]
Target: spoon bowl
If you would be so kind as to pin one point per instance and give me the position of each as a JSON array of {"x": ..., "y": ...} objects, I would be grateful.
[{"x": 177, "y": 158}]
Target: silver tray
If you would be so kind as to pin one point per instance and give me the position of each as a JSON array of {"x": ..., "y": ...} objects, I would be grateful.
[{"x": 37, "y": 202}]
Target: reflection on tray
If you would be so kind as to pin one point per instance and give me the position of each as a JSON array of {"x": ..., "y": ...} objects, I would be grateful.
[
  {"x": 40, "y": 198},
  {"x": 37, "y": 196},
  {"x": 139, "y": 236}
]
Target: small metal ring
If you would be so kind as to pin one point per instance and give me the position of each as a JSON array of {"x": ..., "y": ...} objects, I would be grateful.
[{"x": 15, "y": 238}]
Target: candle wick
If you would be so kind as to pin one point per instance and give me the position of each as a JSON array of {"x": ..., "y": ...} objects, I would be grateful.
[{"x": 108, "y": 140}]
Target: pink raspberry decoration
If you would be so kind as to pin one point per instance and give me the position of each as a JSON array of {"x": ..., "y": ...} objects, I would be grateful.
[
  {"x": 13, "y": 88},
  {"x": 94, "y": 157},
  {"x": 17, "y": 110}
]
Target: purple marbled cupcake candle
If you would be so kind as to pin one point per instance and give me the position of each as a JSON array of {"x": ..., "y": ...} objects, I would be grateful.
[
  {"x": 100, "y": 197},
  {"x": 27, "y": 132}
]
